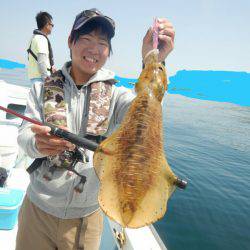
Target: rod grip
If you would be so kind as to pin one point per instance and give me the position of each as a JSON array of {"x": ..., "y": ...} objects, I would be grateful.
[{"x": 73, "y": 138}]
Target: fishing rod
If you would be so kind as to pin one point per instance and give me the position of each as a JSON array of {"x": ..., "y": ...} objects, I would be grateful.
[
  {"x": 62, "y": 133},
  {"x": 75, "y": 139}
]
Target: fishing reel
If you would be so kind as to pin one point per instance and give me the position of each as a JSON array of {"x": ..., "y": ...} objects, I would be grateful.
[{"x": 78, "y": 155}]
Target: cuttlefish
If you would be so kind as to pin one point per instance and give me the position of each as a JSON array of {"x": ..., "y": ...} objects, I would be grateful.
[{"x": 135, "y": 178}]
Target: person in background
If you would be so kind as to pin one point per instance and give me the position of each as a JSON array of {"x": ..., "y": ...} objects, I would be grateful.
[
  {"x": 57, "y": 212},
  {"x": 40, "y": 55}
]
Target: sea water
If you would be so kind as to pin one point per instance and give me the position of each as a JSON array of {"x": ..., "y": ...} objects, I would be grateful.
[{"x": 207, "y": 143}]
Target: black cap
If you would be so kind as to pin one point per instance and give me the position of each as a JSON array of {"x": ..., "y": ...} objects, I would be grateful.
[{"x": 94, "y": 14}]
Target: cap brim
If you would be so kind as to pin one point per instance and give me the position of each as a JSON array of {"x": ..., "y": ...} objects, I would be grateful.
[{"x": 102, "y": 19}]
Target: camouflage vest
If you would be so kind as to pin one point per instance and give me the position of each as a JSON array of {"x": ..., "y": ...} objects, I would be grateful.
[{"x": 55, "y": 110}]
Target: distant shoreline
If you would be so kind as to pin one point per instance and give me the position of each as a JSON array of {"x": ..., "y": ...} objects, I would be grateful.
[
  {"x": 220, "y": 86},
  {"x": 6, "y": 64}
]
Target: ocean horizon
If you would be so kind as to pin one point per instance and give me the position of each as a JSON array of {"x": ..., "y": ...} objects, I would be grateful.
[{"x": 211, "y": 85}]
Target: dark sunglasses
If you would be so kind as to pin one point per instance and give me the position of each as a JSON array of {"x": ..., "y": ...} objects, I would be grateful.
[{"x": 93, "y": 13}]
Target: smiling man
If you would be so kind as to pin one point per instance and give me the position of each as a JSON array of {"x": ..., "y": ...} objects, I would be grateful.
[
  {"x": 90, "y": 49},
  {"x": 60, "y": 210}
]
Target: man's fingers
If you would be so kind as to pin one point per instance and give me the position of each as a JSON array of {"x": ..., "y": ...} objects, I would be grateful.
[
  {"x": 166, "y": 39},
  {"x": 48, "y": 144},
  {"x": 148, "y": 37},
  {"x": 37, "y": 129},
  {"x": 44, "y": 146},
  {"x": 51, "y": 152},
  {"x": 42, "y": 141},
  {"x": 42, "y": 134},
  {"x": 57, "y": 150},
  {"x": 168, "y": 32},
  {"x": 164, "y": 21},
  {"x": 165, "y": 25},
  {"x": 53, "y": 141},
  {"x": 64, "y": 128},
  {"x": 166, "y": 42}
]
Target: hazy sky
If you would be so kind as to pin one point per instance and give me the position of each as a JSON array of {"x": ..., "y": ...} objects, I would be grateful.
[{"x": 211, "y": 34}]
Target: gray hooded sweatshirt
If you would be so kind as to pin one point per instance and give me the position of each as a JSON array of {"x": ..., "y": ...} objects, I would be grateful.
[{"x": 58, "y": 197}]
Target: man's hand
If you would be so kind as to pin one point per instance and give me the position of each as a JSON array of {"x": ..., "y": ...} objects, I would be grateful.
[
  {"x": 48, "y": 144},
  {"x": 166, "y": 39},
  {"x": 53, "y": 68}
]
